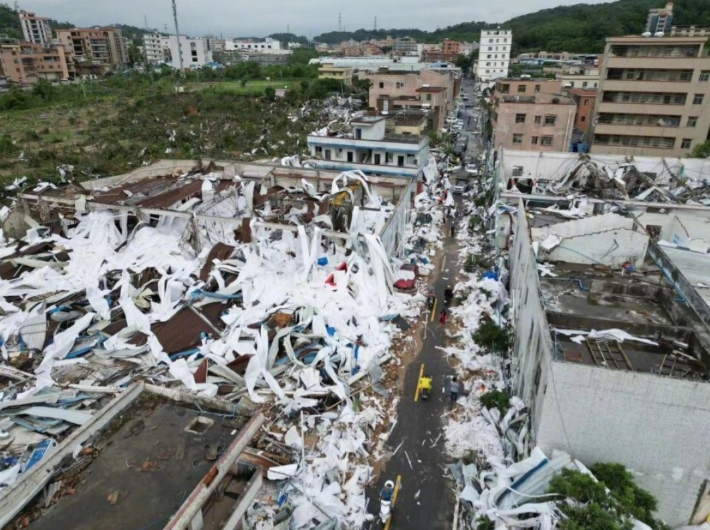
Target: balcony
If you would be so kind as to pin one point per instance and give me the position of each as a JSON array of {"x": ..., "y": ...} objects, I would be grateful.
[
  {"x": 626, "y": 85},
  {"x": 637, "y": 130},
  {"x": 662, "y": 63}
]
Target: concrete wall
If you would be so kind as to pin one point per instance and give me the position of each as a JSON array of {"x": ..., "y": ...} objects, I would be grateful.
[
  {"x": 559, "y": 134},
  {"x": 610, "y": 239},
  {"x": 372, "y": 131},
  {"x": 656, "y": 426},
  {"x": 532, "y": 351}
]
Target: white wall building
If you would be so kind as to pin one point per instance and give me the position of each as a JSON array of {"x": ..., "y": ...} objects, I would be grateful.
[
  {"x": 268, "y": 46},
  {"x": 494, "y": 54},
  {"x": 196, "y": 52},
  {"x": 371, "y": 150},
  {"x": 155, "y": 47},
  {"x": 35, "y": 29}
]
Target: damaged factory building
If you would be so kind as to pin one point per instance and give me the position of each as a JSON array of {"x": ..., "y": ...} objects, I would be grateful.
[
  {"x": 147, "y": 317},
  {"x": 610, "y": 303}
]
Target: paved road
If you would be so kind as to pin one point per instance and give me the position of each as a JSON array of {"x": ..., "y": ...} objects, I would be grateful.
[{"x": 426, "y": 500}]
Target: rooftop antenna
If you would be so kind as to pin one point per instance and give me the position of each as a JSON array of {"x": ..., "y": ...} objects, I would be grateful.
[
  {"x": 166, "y": 29},
  {"x": 375, "y": 23},
  {"x": 340, "y": 22},
  {"x": 145, "y": 21},
  {"x": 288, "y": 28},
  {"x": 17, "y": 6},
  {"x": 177, "y": 34}
]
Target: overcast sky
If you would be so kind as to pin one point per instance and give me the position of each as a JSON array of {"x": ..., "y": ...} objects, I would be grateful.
[{"x": 262, "y": 17}]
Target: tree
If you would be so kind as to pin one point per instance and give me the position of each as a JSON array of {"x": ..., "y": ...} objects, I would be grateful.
[
  {"x": 464, "y": 62},
  {"x": 135, "y": 55},
  {"x": 701, "y": 150},
  {"x": 44, "y": 89},
  {"x": 270, "y": 93}
]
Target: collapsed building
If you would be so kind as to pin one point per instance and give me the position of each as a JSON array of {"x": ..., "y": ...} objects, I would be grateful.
[
  {"x": 164, "y": 306},
  {"x": 610, "y": 304}
]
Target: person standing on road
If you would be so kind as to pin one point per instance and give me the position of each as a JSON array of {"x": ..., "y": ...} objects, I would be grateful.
[
  {"x": 454, "y": 388},
  {"x": 442, "y": 317},
  {"x": 452, "y": 230}
]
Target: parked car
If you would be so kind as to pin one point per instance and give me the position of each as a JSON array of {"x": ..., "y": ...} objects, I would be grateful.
[{"x": 471, "y": 169}]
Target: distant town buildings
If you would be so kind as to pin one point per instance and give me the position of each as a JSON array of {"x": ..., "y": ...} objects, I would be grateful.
[
  {"x": 96, "y": 50},
  {"x": 494, "y": 54},
  {"x": 344, "y": 74},
  {"x": 653, "y": 96},
  {"x": 27, "y": 63},
  {"x": 268, "y": 46},
  {"x": 35, "y": 29},
  {"x": 660, "y": 20}
]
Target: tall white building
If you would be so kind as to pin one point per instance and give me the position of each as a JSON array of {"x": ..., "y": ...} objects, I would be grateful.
[
  {"x": 35, "y": 29},
  {"x": 196, "y": 52},
  {"x": 155, "y": 47},
  {"x": 494, "y": 54}
]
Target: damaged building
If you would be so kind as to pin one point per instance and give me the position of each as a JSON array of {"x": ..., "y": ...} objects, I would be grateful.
[{"x": 610, "y": 306}]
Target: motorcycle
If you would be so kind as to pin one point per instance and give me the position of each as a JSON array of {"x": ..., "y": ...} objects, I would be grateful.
[
  {"x": 425, "y": 393},
  {"x": 386, "y": 505}
]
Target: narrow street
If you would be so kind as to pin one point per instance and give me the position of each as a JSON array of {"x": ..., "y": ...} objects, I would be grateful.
[{"x": 425, "y": 500}]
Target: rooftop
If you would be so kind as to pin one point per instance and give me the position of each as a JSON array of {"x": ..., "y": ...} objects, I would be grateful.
[
  {"x": 368, "y": 120},
  {"x": 665, "y": 40},
  {"x": 432, "y": 89}
]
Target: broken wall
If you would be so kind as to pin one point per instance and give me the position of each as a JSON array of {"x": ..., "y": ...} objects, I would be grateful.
[
  {"x": 656, "y": 426},
  {"x": 688, "y": 232},
  {"x": 392, "y": 234},
  {"x": 608, "y": 239},
  {"x": 532, "y": 351}
]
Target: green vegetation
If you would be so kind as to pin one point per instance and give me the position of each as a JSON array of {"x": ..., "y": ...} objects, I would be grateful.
[
  {"x": 491, "y": 337},
  {"x": 701, "y": 151},
  {"x": 596, "y": 509},
  {"x": 485, "y": 524},
  {"x": 495, "y": 399}
]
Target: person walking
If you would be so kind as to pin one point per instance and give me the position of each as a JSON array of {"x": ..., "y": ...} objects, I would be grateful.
[
  {"x": 452, "y": 230},
  {"x": 442, "y": 317},
  {"x": 454, "y": 388}
]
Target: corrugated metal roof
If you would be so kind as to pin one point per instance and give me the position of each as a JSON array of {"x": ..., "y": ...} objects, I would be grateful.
[
  {"x": 183, "y": 330},
  {"x": 220, "y": 251},
  {"x": 694, "y": 266}
]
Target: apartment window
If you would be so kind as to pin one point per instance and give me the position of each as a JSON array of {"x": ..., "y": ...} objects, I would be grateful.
[
  {"x": 319, "y": 150},
  {"x": 582, "y": 119},
  {"x": 389, "y": 157},
  {"x": 521, "y": 88},
  {"x": 685, "y": 144},
  {"x": 517, "y": 138},
  {"x": 692, "y": 122},
  {"x": 550, "y": 119},
  {"x": 520, "y": 118},
  {"x": 537, "y": 88},
  {"x": 538, "y": 120},
  {"x": 504, "y": 89},
  {"x": 698, "y": 99},
  {"x": 584, "y": 84},
  {"x": 533, "y": 140},
  {"x": 705, "y": 75},
  {"x": 428, "y": 97},
  {"x": 382, "y": 85},
  {"x": 400, "y": 85},
  {"x": 546, "y": 140},
  {"x": 586, "y": 102}
]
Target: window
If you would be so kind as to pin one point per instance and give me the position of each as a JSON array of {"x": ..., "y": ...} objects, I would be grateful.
[
  {"x": 382, "y": 85},
  {"x": 521, "y": 88},
  {"x": 428, "y": 97},
  {"x": 319, "y": 150},
  {"x": 698, "y": 99},
  {"x": 584, "y": 84},
  {"x": 533, "y": 140},
  {"x": 517, "y": 138},
  {"x": 546, "y": 140},
  {"x": 537, "y": 88},
  {"x": 685, "y": 144},
  {"x": 582, "y": 119},
  {"x": 538, "y": 120},
  {"x": 692, "y": 122},
  {"x": 705, "y": 76},
  {"x": 389, "y": 157},
  {"x": 586, "y": 102},
  {"x": 399, "y": 85},
  {"x": 550, "y": 119}
]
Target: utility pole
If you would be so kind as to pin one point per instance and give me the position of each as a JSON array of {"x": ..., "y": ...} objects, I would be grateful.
[
  {"x": 340, "y": 22},
  {"x": 375, "y": 23},
  {"x": 145, "y": 21},
  {"x": 288, "y": 28},
  {"x": 177, "y": 35}
]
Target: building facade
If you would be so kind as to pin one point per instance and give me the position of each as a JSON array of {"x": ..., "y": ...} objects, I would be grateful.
[
  {"x": 653, "y": 96},
  {"x": 539, "y": 122},
  {"x": 35, "y": 29},
  {"x": 26, "y": 63},
  {"x": 660, "y": 20},
  {"x": 155, "y": 47},
  {"x": 494, "y": 54},
  {"x": 525, "y": 87},
  {"x": 584, "y": 101},
  {"x": 96, "y": 50},
  {"x": 405, "y": 45},
  {"x": 196, "y": 52},
  {"x": 372, "y": 150},
  {"x": 266, "y": 46},
  {"x": 342, "y": 74},
  {"x": 585, "y": 80}
]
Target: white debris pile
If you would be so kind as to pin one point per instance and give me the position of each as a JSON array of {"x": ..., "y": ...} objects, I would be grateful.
[{"x": 292, "y": 320}]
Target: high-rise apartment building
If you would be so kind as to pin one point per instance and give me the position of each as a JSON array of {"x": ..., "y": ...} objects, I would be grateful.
[
  {"x": 155, "y": 48},
  {"x": 654, "y": 95},
  {"x": 26, "y": 63},
  {"x": 660, "y": 20},
  {"x": 494, "y": 54},
  {"x": 35, "y": 29},
  {"x": 96, "y": 50},
  {"x": 196, "y": 52}
]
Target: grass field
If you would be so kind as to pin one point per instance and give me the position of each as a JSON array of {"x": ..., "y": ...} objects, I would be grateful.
[{"x": 252, "y": 88}]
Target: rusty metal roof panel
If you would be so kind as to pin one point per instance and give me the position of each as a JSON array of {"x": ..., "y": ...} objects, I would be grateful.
[
  {"x": 183, "y": 330},
  {"x": 220, "y": 251}
]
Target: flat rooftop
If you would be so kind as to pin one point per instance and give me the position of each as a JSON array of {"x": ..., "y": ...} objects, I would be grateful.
[
  {"x": 140, "y": 470},
  {"x": 668, "y": 336}
]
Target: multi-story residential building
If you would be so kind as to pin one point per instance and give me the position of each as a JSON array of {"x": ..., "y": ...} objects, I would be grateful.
[
  {"x": 372, "y": 150},
  {"x": 196, "y": 52},
  {"x": 27, "y": 63},
  {"x": 35, "y": 29},
  {"x": 660, "y": 20},
  {"x": 586, "y": 80},
  {"x": 343, "y": 74},
  {"x": 690, "y": 31},
  {"x": 451, "y": 47},
  {"x": 521, "y": 86},
  {"x": 405, "y": 45},
  {"x": 266, "y": 59},
  {"x": 96, "y": 50},
  {"x": 266, "y": 46},
  {"x": 584, "y": 100},
  {"x": 494, "y": 54},
  {"x": 653, "y": 96},
  {"x": 431, "y": 90},
  {"x": 537, "y": 122},
  {"x": 155, "y": 47}
]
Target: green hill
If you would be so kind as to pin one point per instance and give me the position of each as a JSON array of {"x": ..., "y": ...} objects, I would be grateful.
[{"x": 576, "y": 28}]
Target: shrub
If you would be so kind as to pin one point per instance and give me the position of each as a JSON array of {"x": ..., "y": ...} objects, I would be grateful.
[
  {"x": 492, "y": 337},
  {"x": 496, "y": 399}
]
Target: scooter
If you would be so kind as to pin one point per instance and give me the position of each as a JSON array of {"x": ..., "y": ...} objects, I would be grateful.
[
  {"x": 425, "y": 393},
  {"x": 385, "y": 511}
]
